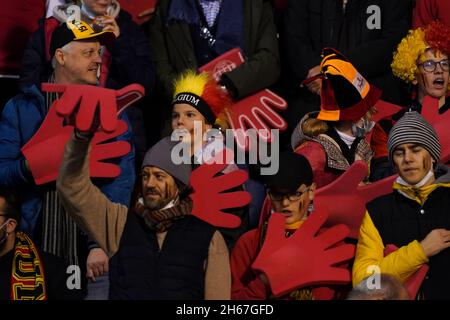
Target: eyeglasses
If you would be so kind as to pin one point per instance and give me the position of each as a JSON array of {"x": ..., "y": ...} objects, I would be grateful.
[
  {"x": 430, "y": 65},
  {"x": 292, "y": 196}
]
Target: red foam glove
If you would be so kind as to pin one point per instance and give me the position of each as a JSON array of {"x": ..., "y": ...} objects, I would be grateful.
[
  {"x": 440, "y": 122},
  {"x": 83, "y": 101},
  {"x": 255, "y": 111},
  {"x": 209, "y": 198},
  {"x": 226, "y": 62},
  {"x": 414, "y": 282},
  {"x": 384, "y": 110},
  {"x": 304, "y": 259},
  {"x": 345, "y": 199},
  {"x": 45, "y": 149}
]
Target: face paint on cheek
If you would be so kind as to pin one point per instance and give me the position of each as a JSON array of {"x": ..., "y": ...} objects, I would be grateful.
[
  {"x": 425, "y": 84},
  {"x": 427, "y": 163}
]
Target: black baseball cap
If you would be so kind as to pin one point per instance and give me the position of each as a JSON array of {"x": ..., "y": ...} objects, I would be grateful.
[{"x": 77, "y": 30}]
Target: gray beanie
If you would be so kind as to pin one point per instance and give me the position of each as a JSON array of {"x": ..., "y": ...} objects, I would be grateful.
[
  {"x": 160, "y": 156},
  {"x": 413, "y": 128}
]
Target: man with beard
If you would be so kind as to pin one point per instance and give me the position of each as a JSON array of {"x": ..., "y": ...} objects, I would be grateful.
[
  {"x": 75, "y": 49},
  {"x": 42, "y": 276},
  {"x": 162, "y": 252}
]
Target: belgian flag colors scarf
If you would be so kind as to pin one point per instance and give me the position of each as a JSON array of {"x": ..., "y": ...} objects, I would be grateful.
[{"x": 27, "y": 276}]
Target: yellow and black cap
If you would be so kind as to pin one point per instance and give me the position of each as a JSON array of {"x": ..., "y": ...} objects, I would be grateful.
[{"x": 76, "y": 31}]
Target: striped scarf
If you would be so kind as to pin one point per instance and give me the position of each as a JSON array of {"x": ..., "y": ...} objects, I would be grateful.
[
  {"x": 59, "y": 231},
  {"x": 27, "y": 274},
  {"x": 161, "y": 220}
]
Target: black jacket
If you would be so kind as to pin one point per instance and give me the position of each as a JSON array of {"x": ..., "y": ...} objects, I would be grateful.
[
  {"x": 400, "y": 220},
  {"x": 311, "y": 25},
  {"x": 55, "y": 277}
]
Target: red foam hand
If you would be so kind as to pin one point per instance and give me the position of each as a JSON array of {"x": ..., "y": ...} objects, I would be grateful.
[
  {"x": 256, "y": 112},
  {"x": 440, "y": 122},
  {"x": 45, "y": 150},
  {"x": 304, "y": 259},
  {"x": 345, "y": 199},
  {"x": 209, "y": 197},
  {"x": 414, "y": 282},
  {"x": 384, "y": 110},
  {"x": 225, "y": 63},
  {"x": 84, "y": 101},
  {"x": 103, "y": 150}
]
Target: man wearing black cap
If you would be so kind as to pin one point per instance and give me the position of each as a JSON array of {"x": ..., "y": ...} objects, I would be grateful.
[
  {"x": 291, "y": 192},
  {"x": 76, "y": 61},
  {"x": 414, "y": 217},
  {"x": 159, "y": 251}
]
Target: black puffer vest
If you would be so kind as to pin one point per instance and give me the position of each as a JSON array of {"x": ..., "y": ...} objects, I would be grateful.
[
  {"x": 139, "y": 270},
  {"x": 400, "y": 220}
]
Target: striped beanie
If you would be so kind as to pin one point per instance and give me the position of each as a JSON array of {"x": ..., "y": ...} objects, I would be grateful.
[{"x": 413, "y": 128}]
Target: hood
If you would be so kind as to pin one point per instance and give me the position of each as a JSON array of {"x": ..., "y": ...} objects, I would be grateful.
[
  {"x": 298, "y": 135},
  {"x": 442, "y": 174},
  {"x": 59, "y": 12}
]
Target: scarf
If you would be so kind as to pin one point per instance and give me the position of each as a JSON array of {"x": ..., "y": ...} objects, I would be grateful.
[
  {"x": 418, "y": 192},
  {"x": 161, "y": 220},
  {"x": 27, "y": 275},
  {"x": 230, "y": 22},
  {"x": 59, "y": 231}
]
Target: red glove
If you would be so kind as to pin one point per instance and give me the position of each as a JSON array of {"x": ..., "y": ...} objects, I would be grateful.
[
  {"x": 304, "y": 259},
  {"x": 345, "y": 199},
  {"x": 86, "y": 100},
  {"x": 44, "y": 152},
  {"x": 209, "y": 198},
  {"x": 440, "y": 122},
  {"x": 226, "y": 62},
  {"x": 414, "y": 282},
  {"x": 256, "y": 111},
  {"x": 45, "y": 149}
]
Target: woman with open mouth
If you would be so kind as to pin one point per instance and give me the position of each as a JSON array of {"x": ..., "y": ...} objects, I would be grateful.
[{"x": 421, "y": 60}]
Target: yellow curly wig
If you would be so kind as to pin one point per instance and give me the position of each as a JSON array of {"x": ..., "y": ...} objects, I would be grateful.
[
  {"x": 408, "y": 51},
  {"x": 436, "y": 35}
]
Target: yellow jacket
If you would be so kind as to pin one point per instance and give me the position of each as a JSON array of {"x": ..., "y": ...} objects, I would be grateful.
[{"x": 401, "y": 263}]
